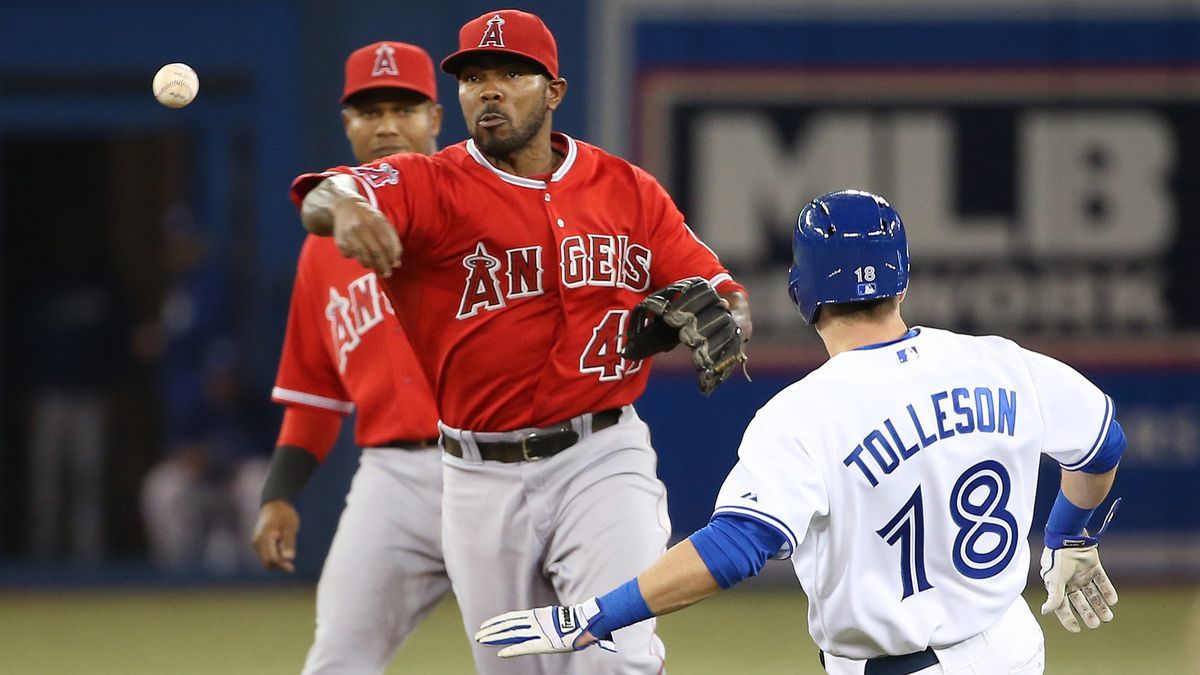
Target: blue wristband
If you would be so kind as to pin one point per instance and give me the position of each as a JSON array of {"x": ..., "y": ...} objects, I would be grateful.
[
  {"x": 1066, "y": 520},
  {"x": 622, "y": 607}
]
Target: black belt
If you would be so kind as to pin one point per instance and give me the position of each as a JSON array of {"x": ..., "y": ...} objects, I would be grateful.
[
  {"x": 409, "y": 443},
  {"x": 536, "y": 444},
  {"x": 904, "y": 664}
]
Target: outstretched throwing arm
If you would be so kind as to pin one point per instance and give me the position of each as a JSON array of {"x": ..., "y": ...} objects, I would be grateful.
[{"x": 360, "y": 230}]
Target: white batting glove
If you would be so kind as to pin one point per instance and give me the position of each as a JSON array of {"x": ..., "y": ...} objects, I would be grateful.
[
  {"x": 545, "y": 630},
  {"x": 1075, "y": 579}
]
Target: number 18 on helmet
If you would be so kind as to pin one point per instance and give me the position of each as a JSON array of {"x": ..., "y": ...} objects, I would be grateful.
[{"x": 848, "y": 246}]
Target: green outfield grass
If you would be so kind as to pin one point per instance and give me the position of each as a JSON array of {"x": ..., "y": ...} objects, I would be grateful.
[{"x": 267, "y": 631}]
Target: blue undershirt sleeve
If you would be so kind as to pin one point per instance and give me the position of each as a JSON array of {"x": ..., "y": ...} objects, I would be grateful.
[
  {"x": 734, "y": 546},
  {"x": 1109, "y": 454}
]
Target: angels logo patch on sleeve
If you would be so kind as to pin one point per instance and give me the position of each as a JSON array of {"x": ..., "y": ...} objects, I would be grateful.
[{"x": 378, "y": 176}]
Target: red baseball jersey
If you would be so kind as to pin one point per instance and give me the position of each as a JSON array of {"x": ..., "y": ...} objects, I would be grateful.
[
  {"x": 345, "y": 351},
  {"x": 516, "y": 291}
]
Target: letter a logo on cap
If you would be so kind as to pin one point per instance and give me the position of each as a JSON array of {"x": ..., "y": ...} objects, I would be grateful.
[
  {"x": 492, "y": 35},
  {"x": 385, "y": 61}
]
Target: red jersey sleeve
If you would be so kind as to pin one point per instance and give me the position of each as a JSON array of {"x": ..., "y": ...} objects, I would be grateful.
[
  {"x": 310, "y": 429},
  {"x": 678, "y": 252},
  {"x": 307, "y": 375},
  {"x": 403, "y": 187}
]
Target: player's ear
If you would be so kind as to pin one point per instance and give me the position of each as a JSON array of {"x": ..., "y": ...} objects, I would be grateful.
[
  {"x": 347, "y": 116},
  {"x": 435, "y": 117},
  {"x": 556, "y": 90}
]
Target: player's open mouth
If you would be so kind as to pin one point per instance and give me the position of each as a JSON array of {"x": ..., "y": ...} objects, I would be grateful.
[{"x": 491, "y": 120}]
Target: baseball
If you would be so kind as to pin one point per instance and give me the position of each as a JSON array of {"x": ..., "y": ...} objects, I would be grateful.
[{"x": 175, "y": 85}]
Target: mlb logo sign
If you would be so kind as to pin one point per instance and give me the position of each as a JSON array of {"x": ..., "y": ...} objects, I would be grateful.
[
  {"x": 866, "y": 289},
  {"x": 907, "y": 354}
]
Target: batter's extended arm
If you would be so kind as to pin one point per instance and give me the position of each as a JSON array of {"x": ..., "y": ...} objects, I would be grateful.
[
  {"x": 677, "y": 580},
  {"x": 729, "y": 549}
]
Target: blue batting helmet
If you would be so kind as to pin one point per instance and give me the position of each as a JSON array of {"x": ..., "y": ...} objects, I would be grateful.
[{"x": 848, "y": 246}]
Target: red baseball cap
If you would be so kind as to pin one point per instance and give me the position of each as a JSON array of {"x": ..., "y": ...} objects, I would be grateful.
[
  {"x": 509, "y": 31},
  {"x": 390, "y": 65}
]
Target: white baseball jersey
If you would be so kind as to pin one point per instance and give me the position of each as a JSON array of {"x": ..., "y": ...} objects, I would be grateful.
[{"x": 903, "y": 477}]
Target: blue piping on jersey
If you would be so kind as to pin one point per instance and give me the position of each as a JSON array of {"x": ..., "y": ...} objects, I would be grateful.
[
  {"x": 912, "y": 333},
  {"x": 1101, "y": 437}
]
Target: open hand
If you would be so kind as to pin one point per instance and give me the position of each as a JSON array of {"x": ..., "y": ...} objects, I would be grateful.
[{"x": 545, "y": 630}]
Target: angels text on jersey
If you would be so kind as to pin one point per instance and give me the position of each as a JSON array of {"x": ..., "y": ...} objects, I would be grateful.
[
  {"x": 602, "y": 260},
  {"x": 352, "y": 312}
]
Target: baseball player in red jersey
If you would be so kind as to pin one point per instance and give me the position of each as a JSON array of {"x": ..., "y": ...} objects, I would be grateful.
[
  {"x": 523, "y": 252},
  {"x": 344, "y": 352}
]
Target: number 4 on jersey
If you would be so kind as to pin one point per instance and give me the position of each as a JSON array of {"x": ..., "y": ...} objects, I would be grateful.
[{"x": 603, "y": 352}]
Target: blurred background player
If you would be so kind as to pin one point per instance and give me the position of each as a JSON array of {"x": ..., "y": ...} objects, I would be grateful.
[
  {"x": 899, "y": 478},
  {"x": 75, "y": 314},
  {"x": 344, "y": 351},
  {"x": 524, "y": 251},
  {"x": 199, "y": 502}
]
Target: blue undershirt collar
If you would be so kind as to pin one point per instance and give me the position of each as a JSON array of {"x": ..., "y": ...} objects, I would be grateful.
[{"x": 912, "y": 333}]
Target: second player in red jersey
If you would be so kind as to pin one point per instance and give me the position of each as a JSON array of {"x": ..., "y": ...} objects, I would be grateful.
[
  {"x": 337, "y": 353},
  {"x": 345, "y": 352}
]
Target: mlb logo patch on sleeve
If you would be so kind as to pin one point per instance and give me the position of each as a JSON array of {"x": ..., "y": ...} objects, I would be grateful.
[{"x": 907, "y": 354}]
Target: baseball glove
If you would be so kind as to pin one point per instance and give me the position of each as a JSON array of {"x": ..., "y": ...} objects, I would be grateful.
[{"x": 688, "y": 312}]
